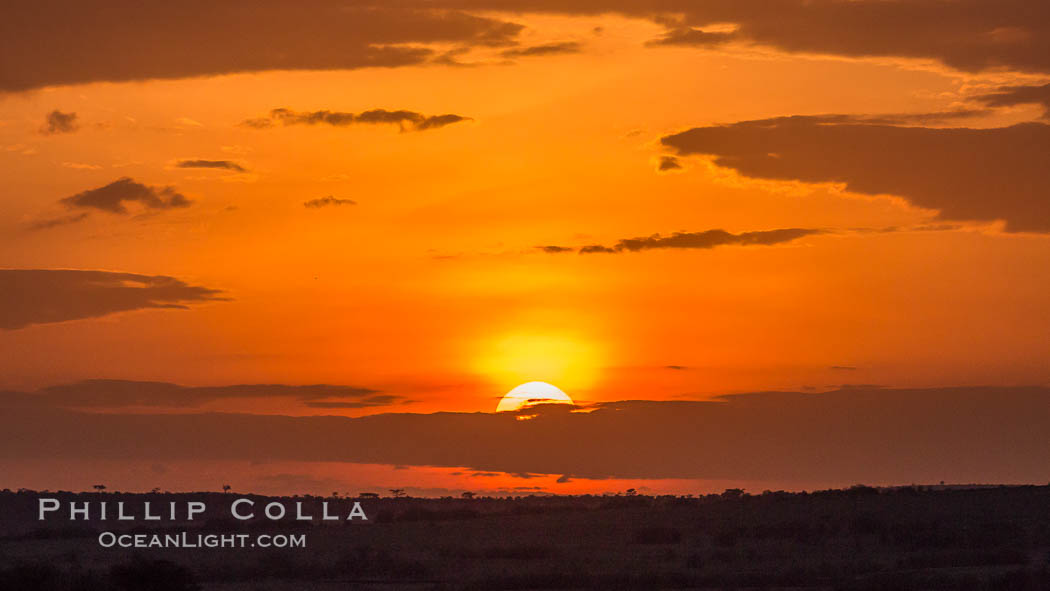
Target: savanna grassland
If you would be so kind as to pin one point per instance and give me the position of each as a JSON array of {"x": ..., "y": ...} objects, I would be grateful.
[{"x": 858, "y": 539}]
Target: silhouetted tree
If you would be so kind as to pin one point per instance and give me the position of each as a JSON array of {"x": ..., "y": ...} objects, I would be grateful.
[
  {"x": 226, "y": 488},
  {"x": 397, "y": 492},
  {"x": 99, "y": 487},
  {"x": 468, "y": 495}
]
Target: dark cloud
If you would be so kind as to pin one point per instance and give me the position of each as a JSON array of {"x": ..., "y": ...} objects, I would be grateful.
[
  {"x": 59, "y": 122},
  {"x": 564, "y": 478},
  {"x": 969, "y": 35},
  {"x": 336, "y": 118},
  {"x": 221, "y": 164},
  {"x": 1011, "y": 96},
  {"x": 929, "y": 119},
  {"x": 697, "y": 240},
  {"x": 435, "y": 121},
  {"x": 114, "y": 394},
  {"x": 38, "y": 296},
  {"x": 328, "y": 201},
  {"x": 676, "y": 367},
  {"x": 546, "y": 49},
  {"x": 965, "y": 174},
  {"x": 258, "y": 123},
  {"x": 668, "y": 163},
  {"x": 120, "y": 40},
  {"x": 689, "y": 36},
  {"x": 596, "y": 248},
  {"x": 843, "y": 367},
  {"x": 113, "y": 197},
  {"x": 875, "y": 435},
  {"x": 713, "y": 238},
  {"x": 405, "y": 120},
  {"x": 55, "y": 42}
]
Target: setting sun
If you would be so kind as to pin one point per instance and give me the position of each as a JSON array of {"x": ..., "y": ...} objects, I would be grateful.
[{"x": 530, "y": 394}]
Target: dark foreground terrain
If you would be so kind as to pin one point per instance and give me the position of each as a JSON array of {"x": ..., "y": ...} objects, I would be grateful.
[{"x": 856, "y": 539}]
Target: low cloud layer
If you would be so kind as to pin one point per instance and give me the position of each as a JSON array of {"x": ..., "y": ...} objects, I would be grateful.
[
  {"x": 852, "y": 435},
  {"x": 40, "y": 296},
  {"x": 328, "y": 201},
  {"x": 692, "y": 240},
  {"x": 59, "y": 122},
  {"x": 405, "y": 120},
  {"x": 965, "y": 174},
  {"x": 219, "y": 164}
]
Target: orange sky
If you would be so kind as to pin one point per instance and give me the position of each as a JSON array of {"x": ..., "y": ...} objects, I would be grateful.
[{"x": 430, "y": 287}]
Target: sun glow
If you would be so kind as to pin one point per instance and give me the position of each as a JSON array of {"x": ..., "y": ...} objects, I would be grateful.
[
  {"x": 531, "y": 393},
  {"x": 560, "y": 359}
]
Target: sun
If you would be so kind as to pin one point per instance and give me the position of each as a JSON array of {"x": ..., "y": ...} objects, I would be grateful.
[{"x": 531, "y": 393}]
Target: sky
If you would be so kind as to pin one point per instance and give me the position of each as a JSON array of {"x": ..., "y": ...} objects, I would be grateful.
[{"x": 378, "y": 218}]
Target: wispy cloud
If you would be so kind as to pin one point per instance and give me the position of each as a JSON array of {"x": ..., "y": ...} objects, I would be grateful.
[
  {"x": 54, "y": 222},
  {"x": 405, "y": 120},
  {"x": 219, "y": 164},
  {"x": 328, "y": 201},
  {"x": 692, "y": 240}
]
